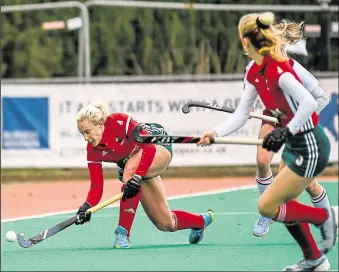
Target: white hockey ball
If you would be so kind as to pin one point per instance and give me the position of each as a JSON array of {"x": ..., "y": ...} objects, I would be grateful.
[{"x": 11, "y": 236}]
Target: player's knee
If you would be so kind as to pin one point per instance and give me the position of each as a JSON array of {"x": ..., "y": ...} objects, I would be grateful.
[
  {"x": 263, "y": 163},
  {"x": 265, "y": 208},
  {"x": 166, "y": 225},
  {"x": 314, "y": 188}
]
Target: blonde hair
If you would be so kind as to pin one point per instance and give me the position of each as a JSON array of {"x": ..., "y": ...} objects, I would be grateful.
[
  {"x": 266, "y": 36},
  {"x": 94, "y": 112}
]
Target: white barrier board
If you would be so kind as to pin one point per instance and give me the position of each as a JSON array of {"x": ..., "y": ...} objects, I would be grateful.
[{"x": 54, "y": 141}]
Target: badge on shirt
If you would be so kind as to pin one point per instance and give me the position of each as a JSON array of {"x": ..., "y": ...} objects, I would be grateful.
[{"x": 119, "y": 140}]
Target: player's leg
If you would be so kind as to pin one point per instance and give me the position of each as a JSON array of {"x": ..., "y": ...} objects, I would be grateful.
[
  {"x": 129, "y": 207},
  {"x": 319, "y": 196},
  {"x": 155, "y": 204},
  {"x": 319, "y": 200},
  {"x": 278, "y": 202},
  {"x": 127, "y": 213},
  {"x": 264, "y": 158},
  {"x": 264, "y": 178},
  {"x": 299, "y": 231}
]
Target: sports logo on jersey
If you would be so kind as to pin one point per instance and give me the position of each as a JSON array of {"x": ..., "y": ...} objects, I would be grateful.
[
  {"x": 119, "y": 140},
  {"x": 299, "y": 161},
  {"x": 104, "y": 153},
  {"x": 120, "y": 122}
]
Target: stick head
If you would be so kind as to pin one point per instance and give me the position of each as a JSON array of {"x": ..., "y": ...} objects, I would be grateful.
[
  {"x": 22, "y": 242},
  {"x": 186, "y": 108}
]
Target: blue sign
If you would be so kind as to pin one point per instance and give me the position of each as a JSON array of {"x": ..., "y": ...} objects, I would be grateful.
[
  {"x": 327, "y": 116},
  {"x": 25, "y": 122}
]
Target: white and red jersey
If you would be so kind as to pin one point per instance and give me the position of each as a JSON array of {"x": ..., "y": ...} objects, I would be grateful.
[
  {"x": 283, "y": 93},
  {"x": 265, "y": 78},
  {"x": 116, "y": 145}
]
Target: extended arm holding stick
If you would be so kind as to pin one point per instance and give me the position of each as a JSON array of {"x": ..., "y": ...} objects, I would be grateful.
[
  {"x": 62, "y": 225},
  {"x": 206, "y": 105}
]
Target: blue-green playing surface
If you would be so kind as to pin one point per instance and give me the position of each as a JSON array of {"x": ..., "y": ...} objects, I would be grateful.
[{"x": 228, "y": 243}]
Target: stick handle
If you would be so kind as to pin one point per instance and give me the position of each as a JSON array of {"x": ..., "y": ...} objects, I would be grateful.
[
  {"x": 105, "y": 203},
  {"x": 264, "y": 117},
  {"x": 243, "y": 141}
]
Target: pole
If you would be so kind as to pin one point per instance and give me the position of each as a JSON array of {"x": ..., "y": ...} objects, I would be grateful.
[{"x": 325, "y": 35}]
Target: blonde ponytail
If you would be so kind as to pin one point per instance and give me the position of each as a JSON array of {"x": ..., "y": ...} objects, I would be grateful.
[
  {"x": 292, "y": 32},
  {"x": 94, "y": 112},
  {"x": 266, "y": 36}
]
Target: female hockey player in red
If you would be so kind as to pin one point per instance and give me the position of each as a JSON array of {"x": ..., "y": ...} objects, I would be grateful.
[
  {"x": 110, "y": 139},
  {"x": 264, "y": 175},
  {"x": 307, "y": 148}
]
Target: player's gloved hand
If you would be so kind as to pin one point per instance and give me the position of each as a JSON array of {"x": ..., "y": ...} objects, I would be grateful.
[
  {"x": 132, "y": 187},
  {"x": 82, "y": 216},
  {"x": 205, "y": 139},
  {"x": 275, "y": 139}
]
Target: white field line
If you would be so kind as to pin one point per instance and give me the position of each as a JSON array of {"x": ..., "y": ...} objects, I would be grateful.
[
  {"x": 220, "y": 191},
  {"x": 234, "y": 189}
]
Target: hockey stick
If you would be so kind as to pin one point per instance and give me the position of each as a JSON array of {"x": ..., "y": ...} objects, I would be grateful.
[
  {"x": 166, "y": 139},
  {"x": 206, "y": 105},
  {"x": 62, "y": 225}
]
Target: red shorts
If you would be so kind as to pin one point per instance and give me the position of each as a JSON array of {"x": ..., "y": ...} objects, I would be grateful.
[{"x": 264, "y": 122}]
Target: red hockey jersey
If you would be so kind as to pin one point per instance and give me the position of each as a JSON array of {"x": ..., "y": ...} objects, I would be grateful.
[{"x": 116, "y": 145}]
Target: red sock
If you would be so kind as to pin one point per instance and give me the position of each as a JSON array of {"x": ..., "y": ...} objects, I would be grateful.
[
  {"x": 128, "y": 210},
  {"x": 301, "y": 232},
  {"x": 186, "y": 220},
  {"x": 293, "y": 211}
]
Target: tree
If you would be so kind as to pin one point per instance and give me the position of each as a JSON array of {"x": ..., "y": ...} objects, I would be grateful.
[{"x": 131, "y": 41}]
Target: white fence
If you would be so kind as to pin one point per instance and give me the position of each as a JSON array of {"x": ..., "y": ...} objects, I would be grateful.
[{"x": 39, "y": 127}]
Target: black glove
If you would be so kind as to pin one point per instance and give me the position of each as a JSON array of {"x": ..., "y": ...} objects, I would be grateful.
[
  {"x": 83, "y": 217},
  {"x": 120, "y": 173},
  {"x": 132, "y": 187},
  {"x": 275, "y": 139}
]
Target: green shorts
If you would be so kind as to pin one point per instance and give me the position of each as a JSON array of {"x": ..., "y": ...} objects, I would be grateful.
[
  {"x": 307, "y": 154},
  {"x": 153, "y": 129}
]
